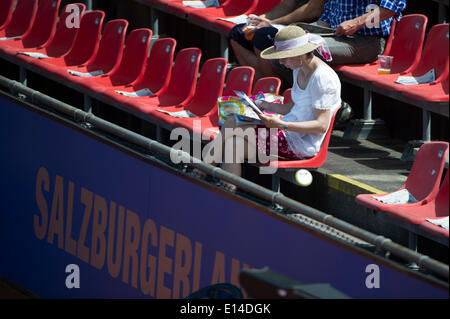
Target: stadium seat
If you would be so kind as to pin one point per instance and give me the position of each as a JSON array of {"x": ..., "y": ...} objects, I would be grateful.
[
  {"x": 287, "y": 96},
  {"x": 435, "y": 92},
  {"x": 423, "y": 180},
  {"x": 267, "y": 85},
  {"x": 434, "y": 208},
  {"x": 181, "y": 87},
  {"x": 239, "y": 79},
  {"x": 21, "y": 21},
  {"x": 85, "y": 45},
  {"x": 434, "y": 56},
  {"x": 262, "y": 6},
  {"x": 439, "y": 210},
  {"x": 406, "y": 50},
  {"x": 209, "y": 89},
  {"x": 131, "y": 68},
  {"x": 230, "y": 8},
  {"x": 313, "y": 162},
  {"x": 6, "y": 12},
  {"x": 176, "y": 6},
  {"x": 157, "y": 74},
  {"x": 42, "y": 31},
  {"x": 62, "y": 41},
  {"x": 109, "y": 54}
]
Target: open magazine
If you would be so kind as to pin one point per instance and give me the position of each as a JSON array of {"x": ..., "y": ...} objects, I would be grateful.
[
  {"x": 244, "y": 96},
  {"x": 442, "y": 222},
  {"x": 201, "y": 4},
  {"x": 243, "y": 108}
]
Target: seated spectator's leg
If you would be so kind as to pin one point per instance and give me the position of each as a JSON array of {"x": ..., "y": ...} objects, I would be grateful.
[
  {"x": 354, "y": 49},
  {"x": 239, "y": 148},
  {"x": 244, "y": 56},
  {"x": 215, "y": 148},
  {"x": 263, "y": 39},
  {"x": 242, "y": 48}
]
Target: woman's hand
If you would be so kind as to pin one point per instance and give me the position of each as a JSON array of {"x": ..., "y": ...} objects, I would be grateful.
[
  {"x": 271, "y": 120},
  {"x": 264, "y": 106}
]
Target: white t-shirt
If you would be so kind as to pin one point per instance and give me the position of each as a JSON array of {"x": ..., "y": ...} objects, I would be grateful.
[{"x": 323, "y": 92}]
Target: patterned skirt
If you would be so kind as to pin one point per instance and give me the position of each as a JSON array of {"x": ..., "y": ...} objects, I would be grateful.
[{"x": 263, "y": 134}]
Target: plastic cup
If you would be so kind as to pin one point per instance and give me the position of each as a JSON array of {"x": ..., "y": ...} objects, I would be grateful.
[
  {"x": 249, "y": 32},
  {"x": 385, "y": 62}
]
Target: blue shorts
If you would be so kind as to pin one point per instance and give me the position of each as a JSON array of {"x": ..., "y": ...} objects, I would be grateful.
[{"x": 262, "y": 39}]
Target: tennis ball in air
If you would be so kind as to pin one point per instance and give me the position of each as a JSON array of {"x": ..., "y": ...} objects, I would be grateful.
[{"x": 303, "y": 177}]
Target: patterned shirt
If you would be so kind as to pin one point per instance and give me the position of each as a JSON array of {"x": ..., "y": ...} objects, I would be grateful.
[{"x": 337, "y": 11}]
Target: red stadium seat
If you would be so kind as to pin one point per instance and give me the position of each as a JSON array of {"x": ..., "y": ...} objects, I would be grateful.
[
  {"x": 287, "y": 95},
  {"x": 41, "y": 32},
  {"x": 239, "y": 79},
  {"x": 423, "y": 180},
  {"x": 313, "y": 162},
  {"x": 436, "y": 92},
  {"x": 109, "y": 53},
  {"x": 6, "y": 12},
  {"x": 230, "y": 8},
  {"x": 21, "y": 21},
  {"x": 209, "y": 89},
  {"x": 437, "y": 209},
  {"x": 417, "y": 214},
  {"x": 262, "y": 6},
  {"x": 267, "y": 85},
  {"x": 62, "y": 41},
  {"x": 434, "y": 56},
  {"x": 176, "y": 6},
  {"x": 131, "y": 68},
  {"x": 406, "y": 50},
  {"x": 157, "y": 73},
  {"x": 181, "y": 86},
  {"x": 85, "y": 45}
]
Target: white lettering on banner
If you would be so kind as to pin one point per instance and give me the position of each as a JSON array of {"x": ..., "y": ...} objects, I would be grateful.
[{"x": 155, "y": 259}]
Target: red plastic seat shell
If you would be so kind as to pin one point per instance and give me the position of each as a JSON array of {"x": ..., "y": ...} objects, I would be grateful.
[{"x": 423, "y": 179}]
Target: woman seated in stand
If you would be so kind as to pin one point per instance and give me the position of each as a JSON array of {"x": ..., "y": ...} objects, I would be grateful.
[{"x": 300, "y": 131}]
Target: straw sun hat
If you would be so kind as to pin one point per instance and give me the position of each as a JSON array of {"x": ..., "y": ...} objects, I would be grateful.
[{"x": 290, "y": 42}]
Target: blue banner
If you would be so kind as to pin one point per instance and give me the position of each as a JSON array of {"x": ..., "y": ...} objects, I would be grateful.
[{"x": 83, "y": 219}]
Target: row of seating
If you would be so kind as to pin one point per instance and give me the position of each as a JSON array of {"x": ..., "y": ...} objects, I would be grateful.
[
  {"x": 209, "y": 17},
  {"x": 411, "y": 60},
  {"x": 405, "y": 46},
  {"x": 423, "y": 184},
  {"x": 173, "y": 84}
]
